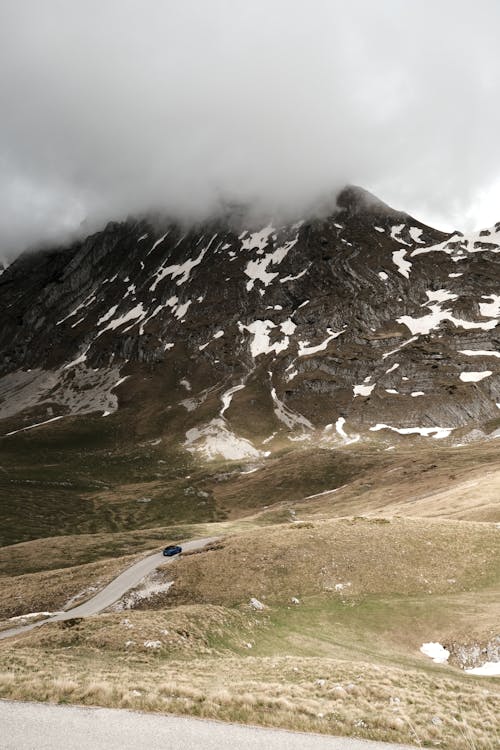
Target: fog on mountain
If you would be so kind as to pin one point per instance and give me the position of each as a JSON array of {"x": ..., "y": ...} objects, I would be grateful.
[{"x": 180, "y": 107}]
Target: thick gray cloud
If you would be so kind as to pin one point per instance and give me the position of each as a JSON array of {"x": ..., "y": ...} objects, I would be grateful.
[{"x": 111, "y": 107}]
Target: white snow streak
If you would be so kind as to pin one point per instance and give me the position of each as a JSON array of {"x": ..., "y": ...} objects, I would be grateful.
[
  {"x": 391, "y": 369},
  {"x": 437, "y": 432},
  {"x": 398, "y": 348},
  {"x": 297, "y": 276},
  {"x": 474, "y": 377},
  {"x": 227, "y": 397},
  {"x": 182, "y": 271},
  {"x": 32, "y": 426},
  {"x": 157, "y": 242},
  {"x": 289, "y": 417},
  {"x": 305, "y": 349},
  {"x": 479, "y": 353}
]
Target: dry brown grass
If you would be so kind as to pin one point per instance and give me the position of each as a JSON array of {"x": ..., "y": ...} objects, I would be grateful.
[
  {"x": 70, "y": 551},
  {"x": 456, "y": 483},
  {"x": 476, "y": 497},
  {"x": 344, "y": 557},
  {"x": 191, "y": 630},
  {"x": 290, "y": 476},
  {"x": 346, "y": 660},
  {"x": 50, "y": 590},
  {"x": 420, "y": 707}
]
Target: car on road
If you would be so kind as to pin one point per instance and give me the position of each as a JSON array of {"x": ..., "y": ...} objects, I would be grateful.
[{"x": 171, "y": 550}]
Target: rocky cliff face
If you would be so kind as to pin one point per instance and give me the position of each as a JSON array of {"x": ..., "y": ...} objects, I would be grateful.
[{"x": 361, "y": 324}]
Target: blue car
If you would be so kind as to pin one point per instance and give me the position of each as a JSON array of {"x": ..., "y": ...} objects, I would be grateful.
[{"x": 171, "y": 550}]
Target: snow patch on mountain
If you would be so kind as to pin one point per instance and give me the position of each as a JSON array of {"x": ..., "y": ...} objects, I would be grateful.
[
  {"x": 339, "y": 426},
  {"x": 256, "y": 270},
  {"x": 474, "y": 377},
  {"x": 436, "y": 652},
  {"x": 427, "y": 323},
  {"x": 136, "y": 313},
  {"x": 363, "y": 390},
  {"x": 261, "y": 332},
  {"x": 227, "y": 397},
  {"x": 181, "y": 310},
  {"x": 78, "y": 360},
  {"x": 86, "y": 302},
  {"x": 289, "y": 417},
  {"x": 415, "y": 234},
  {"x": 392, "y": 368},
  {"x": 396, "y": 234},
  {"x": 479, "y": 353},
  {"x": 216, "y": 439},
  {"x": 488, "y": 669},
  {"x": 398, "y": 348},
  {"x": 180, "y": 271},
  {"x": 155, "y": 244},
  {"x": 305, "y": 349},
  {"x": 259, "y": 240},
  {"x": 437, "y": 433},
  {"x": 297, "y": 276},
  {"x": 440, "y": 295},
  {"x": 404, "y": 266},
  {"x": 490, "y": 309},
  {"x": 32, "y": 426}
]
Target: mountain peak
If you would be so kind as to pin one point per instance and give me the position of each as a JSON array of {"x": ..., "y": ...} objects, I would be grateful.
[{"x": 355, "y": 199}]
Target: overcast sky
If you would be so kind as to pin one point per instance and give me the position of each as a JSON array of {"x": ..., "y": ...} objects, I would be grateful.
[{"x": 112, "y": 107}]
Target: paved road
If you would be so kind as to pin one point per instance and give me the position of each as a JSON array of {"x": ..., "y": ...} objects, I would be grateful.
[
  {"x": 127, "y": 580},
  {"x": 38, "y": 726}
]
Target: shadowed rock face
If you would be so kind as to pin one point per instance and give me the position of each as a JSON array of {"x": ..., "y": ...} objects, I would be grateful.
[{"x": 364, "y": 318}]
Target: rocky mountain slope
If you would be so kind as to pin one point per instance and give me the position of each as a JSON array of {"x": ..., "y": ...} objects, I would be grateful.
[{"x": 365, "y": 324}]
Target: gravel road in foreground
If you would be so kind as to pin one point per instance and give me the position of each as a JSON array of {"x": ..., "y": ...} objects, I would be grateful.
[{"x": 38, "y": 726}]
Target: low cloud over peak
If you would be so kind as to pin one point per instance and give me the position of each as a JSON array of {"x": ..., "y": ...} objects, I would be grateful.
[{"x": 119, "y": 107}]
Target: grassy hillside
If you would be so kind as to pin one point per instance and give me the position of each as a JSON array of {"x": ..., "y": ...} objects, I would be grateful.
[
  {"x": 347, "y": 557},
  {"x": 358, "y": 554},
  {"x": 277, "y": 669},
  {"x": 93, "y": 476}
]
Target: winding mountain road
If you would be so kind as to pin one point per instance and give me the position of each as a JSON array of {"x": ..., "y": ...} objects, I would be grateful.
[
  {"x": 38, "y": 726},
  {"x": 111, "y": 593},
  {"x": 30, "y": 726}
]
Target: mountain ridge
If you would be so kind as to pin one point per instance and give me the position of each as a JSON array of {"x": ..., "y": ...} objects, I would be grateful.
[{"x": 365, "y": 321}]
